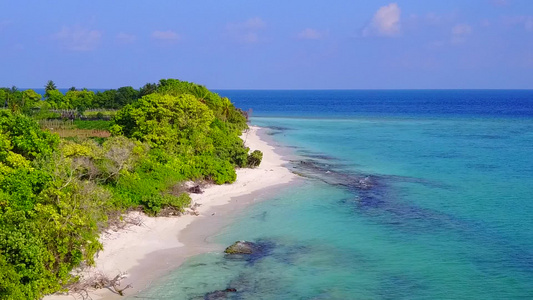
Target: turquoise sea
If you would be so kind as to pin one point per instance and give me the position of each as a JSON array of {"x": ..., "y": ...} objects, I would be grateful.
[{"x": 406, "y": 195}]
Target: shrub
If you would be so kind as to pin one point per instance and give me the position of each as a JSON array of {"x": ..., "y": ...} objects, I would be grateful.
[{"x": 254, "y": 159}]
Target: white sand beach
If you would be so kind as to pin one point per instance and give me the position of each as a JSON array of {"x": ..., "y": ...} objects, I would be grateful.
[{"x": 158, "y": 245}]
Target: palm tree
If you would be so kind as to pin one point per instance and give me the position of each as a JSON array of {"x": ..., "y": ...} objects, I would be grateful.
[
  {"x": 226, "y": 108},
  {"x": 50, "y": 86},
  {"x": 148, "y": 88}
]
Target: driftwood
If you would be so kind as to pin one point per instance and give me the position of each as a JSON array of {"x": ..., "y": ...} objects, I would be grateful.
[
  {"x": 98, "y": 281},
  {"x": 193, "y": 209}
]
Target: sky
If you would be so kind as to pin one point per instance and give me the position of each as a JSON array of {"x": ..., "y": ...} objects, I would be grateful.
[{"x": 245, "y": 44}]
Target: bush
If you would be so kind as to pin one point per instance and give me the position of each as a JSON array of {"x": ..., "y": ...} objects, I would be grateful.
[
  {"x": 254, "y": 159},
  {"x": 165, "y": 121}
]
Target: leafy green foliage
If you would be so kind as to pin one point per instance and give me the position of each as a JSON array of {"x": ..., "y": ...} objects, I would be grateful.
[
  {"x": 49, "y": 220},
  {"x": 255, "y": 158},
  {"x": 105, "y": 99},
  {"x": 19, "y": 101},
  {"x": 50, "y": 86},
  {"x": 126, "y": 95},
  {"x": 222, "y": 108},
  {"x": 113, "y": 99},
  {"x": 80, "y": 100},
  {"x": 56, "y": 100},
  {"x": 161, "y": 120},
  {"x": 192, "y": 123},
  {"x": 24, "y": 137},
  {"x": 147, "y": 89},
  {"x": 56, "y": 195},
  {"x": 146, "y": 185},
  {"x": 100, "y": 114}
]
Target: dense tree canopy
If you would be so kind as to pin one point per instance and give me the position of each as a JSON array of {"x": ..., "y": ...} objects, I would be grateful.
[
  {"x": 56, "y": 194},
  {"x": 164, "y": 120}
]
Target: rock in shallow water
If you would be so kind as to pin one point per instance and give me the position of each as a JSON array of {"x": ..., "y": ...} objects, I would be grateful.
[
  {"x": 220, "y": 294},
  {"x": 241, "y": 247}
]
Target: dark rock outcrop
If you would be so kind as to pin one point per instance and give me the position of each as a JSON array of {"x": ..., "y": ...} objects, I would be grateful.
[
  {"x": 195, "y": 190},
  {"x": 241, "y": 247},
  {"x": 250, "y": 252}
]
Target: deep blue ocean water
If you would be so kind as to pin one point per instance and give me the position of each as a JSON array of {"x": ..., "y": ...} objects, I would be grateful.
[{"x": 407, "y": 195}]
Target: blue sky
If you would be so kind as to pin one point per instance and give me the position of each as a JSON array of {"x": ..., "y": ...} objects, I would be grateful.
[{"x": 244, "y": 44}]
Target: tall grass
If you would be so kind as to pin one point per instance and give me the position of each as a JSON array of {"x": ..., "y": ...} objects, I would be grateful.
[
  {"x": 56, "y": 124},
  {"x": 96, "y": 124},
  {"x": 82, "y": 129}
]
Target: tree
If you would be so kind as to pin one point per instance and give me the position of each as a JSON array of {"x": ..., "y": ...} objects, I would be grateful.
[
  {"x": 14, "y": 101},
  {"x": 4, "y": 96},
  {"x": 126, "y": 95},
  {"x": 164, "y": 120},
  {"x": 80, "y": 100},
  {"x": 27, "y": 138},
  {"x": 147, "y": 89},
  {"x": 50, "y": 86},
  {"x": 27, "y": 100},
  {"x": 105, "y": 99},
  {"x": 56, "y": 99}
]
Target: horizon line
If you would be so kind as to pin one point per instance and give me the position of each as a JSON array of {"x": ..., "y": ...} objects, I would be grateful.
[{"x": 325, "y": 89}]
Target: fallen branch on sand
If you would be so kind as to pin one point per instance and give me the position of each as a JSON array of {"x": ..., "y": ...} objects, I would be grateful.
[{"x": 98, "y": 281}]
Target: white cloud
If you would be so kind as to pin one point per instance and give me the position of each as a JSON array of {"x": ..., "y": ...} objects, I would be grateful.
[
  {"x": 525, "y": 22},
  {"x": 460, "y": 32},
  {"x": 500, "y": 2},
  {"x": 311, "y": 34},
  {"x": 125, "y": 38},
  {"x": 461, "y": 29},
  {"x": 254, "y": 23},
  {"x": 247, "y": 32},
  {"x": 77, "y": 38},
  {"x": 429, "y": 19},
  {"x": 386, "y": 22},
  {"x": 167, "y": 35},
  {"x": 458, "y": 35}
]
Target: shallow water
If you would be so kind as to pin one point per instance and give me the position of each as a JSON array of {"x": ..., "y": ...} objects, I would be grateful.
[{"x": 403, "y": 206}]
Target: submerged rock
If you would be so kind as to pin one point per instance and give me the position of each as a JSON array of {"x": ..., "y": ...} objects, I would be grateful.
[
  {"x": 219, "y": 294},
  {"x": 241, "y": 247},
  {"x": 250, "y": 252},
  {"x": 365, "y": 183}
]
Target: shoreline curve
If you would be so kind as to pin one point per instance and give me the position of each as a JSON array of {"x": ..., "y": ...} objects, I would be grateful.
[{"x": 156, "y": 246}]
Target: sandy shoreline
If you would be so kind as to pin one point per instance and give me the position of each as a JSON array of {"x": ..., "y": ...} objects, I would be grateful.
[{"x": 158, "y": 245}]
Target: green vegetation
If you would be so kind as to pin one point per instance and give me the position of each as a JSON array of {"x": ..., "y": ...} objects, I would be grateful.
[
  {"x": 57, "y": 194},
  {"x": 99, "y": 114},
  {"x": 254, "y": 159}
]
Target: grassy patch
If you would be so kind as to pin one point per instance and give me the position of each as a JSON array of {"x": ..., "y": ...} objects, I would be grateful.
[
  {"x": 94, "y": 125},
  {"x": 81, "y": 133}
]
